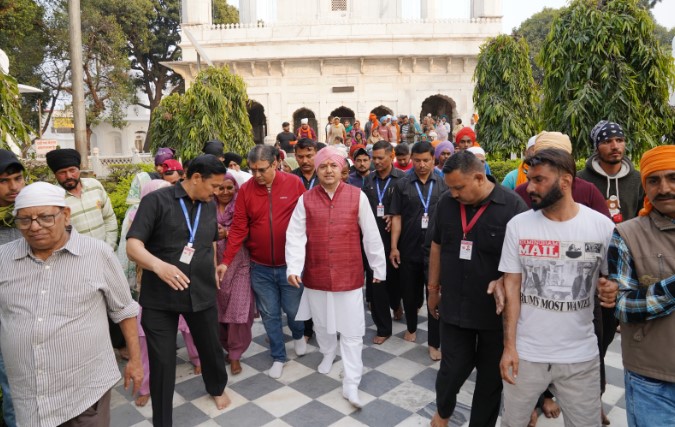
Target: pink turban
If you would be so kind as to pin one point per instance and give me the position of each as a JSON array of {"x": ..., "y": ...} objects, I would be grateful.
[{"x": 329, "y": 153}]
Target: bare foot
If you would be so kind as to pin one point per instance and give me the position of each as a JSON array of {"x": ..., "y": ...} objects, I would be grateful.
[
  {"x": 551, "y": 408},
  {"x": 437, "y": 421},
  {"x": 379, "y": 340},
  {"x": 603, "y": 418},
  {"x": 124, "y": 353},
  {"x": 306, "y": 338},
  {"x": 222, "y": 401},
  {"x": 410, "y": 336},
  {"x": 197, "y": 370},
  {"x": 533, "y": 418},
  {"x": 434, "y": 353},
  {"x": 235, "y": 367},
  {"x": 142, "y": 400},
  {"x": 398, "y": 313}
]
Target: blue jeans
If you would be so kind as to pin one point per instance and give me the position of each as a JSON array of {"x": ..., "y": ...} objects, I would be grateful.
[
  {"x": 7, "y": 406},
  {"x": 273, "y": 293},
  {"x": 649, "y": 402}
]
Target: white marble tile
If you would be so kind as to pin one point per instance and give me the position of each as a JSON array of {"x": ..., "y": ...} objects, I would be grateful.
[
  {"x": 277, "y": 423},
  {"x": 396, "y": 346},
  {"x": 294, "y": 371},
  {"x": 414, "y": 420},
  {"x": 282, "y": 401},
  {"x": 612, "y": 394},
  {"x": 409, "y": 396},
  {"x": 207, "y": 405},
  {"x": 400, "y": 368},
  {"x": 334, "y": 399}
]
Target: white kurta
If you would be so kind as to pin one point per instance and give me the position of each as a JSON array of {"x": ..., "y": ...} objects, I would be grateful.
[{"x": 336, "y": 311}]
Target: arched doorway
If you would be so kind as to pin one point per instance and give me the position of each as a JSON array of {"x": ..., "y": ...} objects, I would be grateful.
[
  {"x": 256, "y": 115},
  {"x": 344, "y": 114},
  {"x": 381, "y": 111},
  {"x": 304, "y": 113},
  {"x": 438, "y": 105}
]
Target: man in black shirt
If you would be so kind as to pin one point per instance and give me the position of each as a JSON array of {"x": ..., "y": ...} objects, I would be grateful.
[
  {"x": 412, "y": 204},
  {"x": 469, "y": 227},
  {"x": 285, "y": 138},
  {"x": 173, "y": 238},
  {"x": 379, "y": 187},
  {"x": 305, "y": 150}
]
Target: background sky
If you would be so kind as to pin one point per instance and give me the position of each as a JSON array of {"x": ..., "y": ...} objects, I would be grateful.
[{"x": 515, "y": 11}]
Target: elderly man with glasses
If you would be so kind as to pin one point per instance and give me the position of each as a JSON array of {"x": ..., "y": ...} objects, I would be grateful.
[{"x": 54, "y": 306}]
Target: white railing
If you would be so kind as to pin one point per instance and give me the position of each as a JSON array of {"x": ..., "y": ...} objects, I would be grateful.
[{"x": 351, "y": 21}]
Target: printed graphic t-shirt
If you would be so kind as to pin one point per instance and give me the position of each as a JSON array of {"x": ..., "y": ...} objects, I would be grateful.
[{"x": 560, "y": 263}]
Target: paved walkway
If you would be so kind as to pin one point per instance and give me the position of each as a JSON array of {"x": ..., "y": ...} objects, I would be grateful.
[{"x": 397, "y": 389}]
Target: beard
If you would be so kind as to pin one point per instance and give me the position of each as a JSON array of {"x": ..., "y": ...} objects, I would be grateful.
[
  {"x": 547, "y": 200},
  {"x": 70, "y": 184}
]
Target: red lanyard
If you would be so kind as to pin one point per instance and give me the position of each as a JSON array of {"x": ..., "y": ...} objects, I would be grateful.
[{"x": 467, "y": 228}]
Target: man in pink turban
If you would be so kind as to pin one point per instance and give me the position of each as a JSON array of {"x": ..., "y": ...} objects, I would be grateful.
[{"x": 323, "y": 252}]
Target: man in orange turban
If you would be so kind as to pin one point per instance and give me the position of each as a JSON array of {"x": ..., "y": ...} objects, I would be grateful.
[
  {"x": 465, "y": 138},
  {"x": 641, "y": 261}
]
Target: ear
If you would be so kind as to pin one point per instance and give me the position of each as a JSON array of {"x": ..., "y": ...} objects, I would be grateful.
[
  {"x": 66, "y": 215},
  {"x": 566, "y": 180}
]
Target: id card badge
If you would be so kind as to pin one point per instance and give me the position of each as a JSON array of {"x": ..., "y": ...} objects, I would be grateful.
[
  {"x": 425, "y": 221},
  {"x": 380, "y": 210},
  {"x": 465, "y": 249},
  {"x": 186, "y": 256}
]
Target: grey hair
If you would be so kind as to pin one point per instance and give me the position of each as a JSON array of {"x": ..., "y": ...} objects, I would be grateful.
[{"x": 262, "y": 153}]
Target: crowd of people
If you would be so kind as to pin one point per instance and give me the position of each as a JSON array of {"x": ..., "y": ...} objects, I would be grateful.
[{"x": 525, "y": 281}]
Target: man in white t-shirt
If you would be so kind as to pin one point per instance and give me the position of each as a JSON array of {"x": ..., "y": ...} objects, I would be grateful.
[{"x": 551, "y": 260}]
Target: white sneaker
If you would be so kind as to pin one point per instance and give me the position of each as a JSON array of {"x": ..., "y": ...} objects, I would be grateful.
[
  {"x": 326, "y": 363},
  {"x": 300, "y": 346},
  {"x": 353, "y": 397},
  {"x": 276, "y": 370}
]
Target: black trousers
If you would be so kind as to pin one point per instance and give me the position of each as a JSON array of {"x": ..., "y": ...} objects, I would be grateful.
[
  {"x": 385, "y": 296},
  {"x": 413, "y": 290},
  {"x": 464, "y": 349},
  {"x": 160, "y": 329}
]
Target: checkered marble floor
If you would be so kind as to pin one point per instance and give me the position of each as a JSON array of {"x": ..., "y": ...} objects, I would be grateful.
[{"x": 397, "y": 389}]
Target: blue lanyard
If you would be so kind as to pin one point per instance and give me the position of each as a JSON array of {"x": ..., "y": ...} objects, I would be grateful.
[
  {"x": 311, "y": 183},
  {"x": 419, "y": 192},
  {"x": 191, "y": 228},
  {"x": 380, "y": 196}
]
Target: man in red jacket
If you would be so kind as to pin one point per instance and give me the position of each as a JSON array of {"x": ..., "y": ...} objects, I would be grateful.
[
  {"x": 331, "y": 268},
  {"x": 261, "y": 215}
]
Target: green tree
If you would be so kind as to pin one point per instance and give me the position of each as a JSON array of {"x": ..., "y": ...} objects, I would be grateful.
[
  {"x": 602, "y": 61},
  {"x": 24, "y": 40},
  {"x": 504, "y": 95},
  {"x": 12, "y": 125},
  {"x": 213, "y": 107},
  {"x": 108, "y": 88},
  {"x": 534, "y": 30},
  {"x": 224, "y": 13}
]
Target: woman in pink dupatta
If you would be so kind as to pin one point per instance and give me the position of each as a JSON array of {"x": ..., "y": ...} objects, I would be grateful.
[{"x": 236, "y": 307}]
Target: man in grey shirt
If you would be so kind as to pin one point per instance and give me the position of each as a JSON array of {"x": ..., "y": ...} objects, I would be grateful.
[{"x": 53, "y": 315}]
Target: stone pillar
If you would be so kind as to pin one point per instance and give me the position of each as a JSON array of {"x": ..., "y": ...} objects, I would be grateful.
[
  {"x": 196, "y": 12},
  {"x": 248, "y": 13},
  {"x": 486, "y": 9},
  {"x": 428, "y": 9}
]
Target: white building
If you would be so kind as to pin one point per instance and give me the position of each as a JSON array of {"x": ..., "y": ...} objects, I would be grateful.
[
  {"x": 342, "y": 57},
  {"x": 106, "y": 139}
]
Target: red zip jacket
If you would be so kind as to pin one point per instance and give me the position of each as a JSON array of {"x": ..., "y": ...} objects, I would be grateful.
[{"x": 263, "y": 215}]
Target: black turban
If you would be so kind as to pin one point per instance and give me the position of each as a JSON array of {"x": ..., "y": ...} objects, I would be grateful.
[
  {"x": 63, "y": 158},
  {"x": 214, "y": 147},
  {"x": 232, "y": 157}
]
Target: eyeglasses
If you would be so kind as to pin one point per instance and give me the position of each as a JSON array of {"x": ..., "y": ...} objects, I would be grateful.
[
  {"x": 45, "y": 221},
  {"x": 261, "y": 171}
]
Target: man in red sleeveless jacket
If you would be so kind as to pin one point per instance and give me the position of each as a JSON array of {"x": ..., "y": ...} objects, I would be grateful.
[{"x": 323, "y": 247}]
